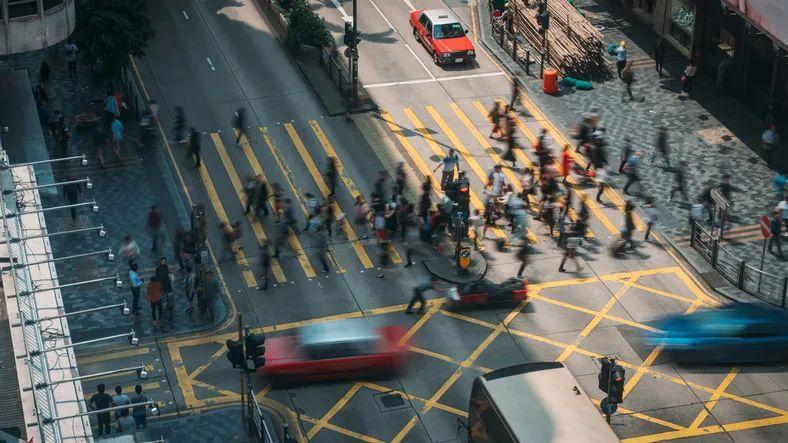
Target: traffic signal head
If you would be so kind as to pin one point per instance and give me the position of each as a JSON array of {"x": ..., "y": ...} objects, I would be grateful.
[
  {"x": 255, "y": 351},
  {"x": 604, "y": 374},
  {"x": 234, "y": 353},
  {"x": 617, "y": 378},
  {"x": 348, "y": 39}
]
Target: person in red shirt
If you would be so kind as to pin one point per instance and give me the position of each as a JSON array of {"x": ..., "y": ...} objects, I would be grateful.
[
  {"x": 154, "y": 293},
  {"x": 566, "y": 161}
]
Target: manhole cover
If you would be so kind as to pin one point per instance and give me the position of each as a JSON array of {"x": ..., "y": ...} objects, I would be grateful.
[
  {"x": 727, "y": 138},
  {"x": 703, "y": 117},
  {"x": 390, "y": 401}
]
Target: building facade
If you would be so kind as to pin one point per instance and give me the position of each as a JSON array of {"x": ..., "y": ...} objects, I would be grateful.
[
  {"x": 741, "y": 44},
  {"x": 29, "y": 25}
]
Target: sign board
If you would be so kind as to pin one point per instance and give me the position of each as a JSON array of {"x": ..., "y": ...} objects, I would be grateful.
[
  {"x": 722, "y": 203},
  {"x": 766, "y": 227},
  {"x": 465, "y": 257}
]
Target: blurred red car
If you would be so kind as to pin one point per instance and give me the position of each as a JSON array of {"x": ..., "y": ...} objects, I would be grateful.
[
  {"x": 335, "y": 350},
  {"x": 440, "y": 31},
  {"x": 484, "y": 292}
]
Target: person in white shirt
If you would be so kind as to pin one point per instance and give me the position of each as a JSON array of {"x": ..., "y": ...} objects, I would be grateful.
[
  {"x": 650, "y": 212},
  {"x": 497, "y": 180}
]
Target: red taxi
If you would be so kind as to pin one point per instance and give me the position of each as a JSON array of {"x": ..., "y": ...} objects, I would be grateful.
[
  {"x": 334, "y": 350},
  {"x": 442, "y": 34},
  {"x": 484, "y": 292}
]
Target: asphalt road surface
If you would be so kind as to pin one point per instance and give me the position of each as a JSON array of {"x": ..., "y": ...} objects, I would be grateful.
[{"x": 214, "y": 56}]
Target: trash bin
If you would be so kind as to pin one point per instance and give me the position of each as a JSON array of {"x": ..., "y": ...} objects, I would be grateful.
[{"x": 550, "y": 81}]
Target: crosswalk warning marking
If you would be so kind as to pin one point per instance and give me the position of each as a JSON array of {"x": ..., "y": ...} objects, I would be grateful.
[
  {"x": 243, "y": 263},
  {"x": 257, "y": 228},
  {"x": 292, "y": 239},
  {"x": 321, "y": 137},
  {"x": 318, "y": 177}
]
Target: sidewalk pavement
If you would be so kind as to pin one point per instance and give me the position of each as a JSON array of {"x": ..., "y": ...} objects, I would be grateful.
[
  {"x": 712, "y": 132},
  {"x": 124, "y": 192},
  {"x": 220, "y": 425}
]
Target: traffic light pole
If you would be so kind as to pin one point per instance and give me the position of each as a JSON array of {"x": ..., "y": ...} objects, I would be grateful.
[
  {"x": 354, "y": 57},
  {"x": 544, "y": 47},
  {"x": 609, "y": 383},
  {"x": 243, "y": 365}
]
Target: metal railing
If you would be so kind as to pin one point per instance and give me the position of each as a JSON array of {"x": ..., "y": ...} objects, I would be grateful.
[
  {"x": 257, "y": 424},
  {"x": 768, "y": 287},
  {"x": 336, "y": 70},
  {"x": 511, "y": 43}
]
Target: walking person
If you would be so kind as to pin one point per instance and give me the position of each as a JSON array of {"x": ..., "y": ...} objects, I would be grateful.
[
  {"x": 632, "y": 169},
  {"x": 679, "y": 181},
  {"x": 261, "y": 201},
  {"x": 100, "y": 401},
  {"x": 117, "y": 136},
  {"x": 140, "y": 412},
  {"x": 44, "y": 75},
  {"x": 179, "y": 125},
  {"x": 194, "y": 147},
  {"x": 282, "y": 232},
  {"x": 566, "y": 161},
  {"x": 265, "y": 265},
  {"x": 628, "y": 76},
  {"x": 418, "y": 296},
  {"x": 627, "y": 233},
  {"x": 783, "y": 208},
  {"x": 509, "y": 134},
  {"x": 522, "y": 255},
  {"x": 602, "y": 178},
  {"x": 383, "y": 256},
  {"x": 410, "y": 226},
  {"x": 400, "y": 179},
  {"x": 321, "y": 246},
  {"x": 71, "y": 58},
  {"x": 162, "y": 273},
  {"x": 625, "y": 154},
  {"x": 450, "y": 162},
  {"x": 189, "y": 288},
  {"x": 251, "y": 187},
  {"x": 361, "y": 215},
  {"x": 621, "y": 57},
  {"x": 495, "y": 117},
  {"x": 661, "y": 146},
  {"x": 688, "y": 78},
  {"x": 135, "y": 283},
  {"x": 651, "y": 215},
  {"x": 515, "y": 95},
  {"x": 776, "y": 238},
  {"x": 129, "y": 251},
  {"x": 570, "y": 253},
  {"x": 154, "y": 224},
  {"x": 659, "y": 55},
  {"x": 111, "y": 108},
  {"x": 239, "y": 124},
  {"x": 72, "y": 192},
  {"x": 331, "y": 175}
]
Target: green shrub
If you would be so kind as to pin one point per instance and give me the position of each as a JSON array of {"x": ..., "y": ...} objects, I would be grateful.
[{"x": 305, "y": 27}]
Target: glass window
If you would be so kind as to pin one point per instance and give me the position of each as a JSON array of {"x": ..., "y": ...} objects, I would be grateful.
[
  {"x": 423, "y": 19},
  {"x": 49, "y": 4},
  {"x": 449, "y": 30},
  {"x": 682, "y": 21},
  {"x": 22, "y": 8}
]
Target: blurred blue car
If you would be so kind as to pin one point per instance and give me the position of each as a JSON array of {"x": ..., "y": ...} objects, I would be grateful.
[{"x": 738, "y": 333}]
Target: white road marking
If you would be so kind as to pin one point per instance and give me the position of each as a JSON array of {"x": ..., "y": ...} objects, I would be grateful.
[
  {"x": 341, "y": 9},
  {"x": 410, "y": 5},
  {"x": 210, "y": 63},
  {"x": 403, "y": 40},
  {"x": 433, "y": 80},
  {"x": 185, "y": 15}
]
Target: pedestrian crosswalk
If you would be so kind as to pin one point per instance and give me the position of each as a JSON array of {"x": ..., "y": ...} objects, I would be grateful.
[{"x": 294, "y": 155}]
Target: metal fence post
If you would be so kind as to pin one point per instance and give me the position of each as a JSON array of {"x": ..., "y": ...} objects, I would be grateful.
[
  {"x": 785, "y": 290},
  {"x": 740, "y": 276},
  {"x": 715, "y": 244},
  {"x": 693, "y": 230}
]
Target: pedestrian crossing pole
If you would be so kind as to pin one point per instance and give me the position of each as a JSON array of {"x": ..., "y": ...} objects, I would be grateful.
[{"x": 354, "y": 56}]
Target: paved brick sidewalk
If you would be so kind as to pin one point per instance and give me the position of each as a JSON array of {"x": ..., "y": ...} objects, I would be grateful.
[
  {"x": 712, "y": 132},
  {"x": 221, "y": 425},
  {"x": 124, "y": 195}
]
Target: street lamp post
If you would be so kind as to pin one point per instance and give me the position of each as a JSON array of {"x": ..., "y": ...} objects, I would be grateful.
[{"x": 354, "y": 56}]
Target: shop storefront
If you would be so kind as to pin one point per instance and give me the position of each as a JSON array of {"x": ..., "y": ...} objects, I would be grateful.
[{"x": 680, "y": 22}]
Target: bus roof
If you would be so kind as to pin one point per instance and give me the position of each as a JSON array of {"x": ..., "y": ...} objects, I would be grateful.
[{"x": 539, "y": 402}]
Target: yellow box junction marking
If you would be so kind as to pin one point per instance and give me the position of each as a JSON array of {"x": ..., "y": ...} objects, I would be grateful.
[
  {"x": 321, "y": 184},
  {"x": 219, "y": 209},
  {"x": 333, "y": 411},
  {"x": 351, "y": 187},
  {"x": 707, "y": 407},
  {"x": 288, "y": 174},
  {"x": 235, "y": 180},
  {"x": 292, "y": 239}
]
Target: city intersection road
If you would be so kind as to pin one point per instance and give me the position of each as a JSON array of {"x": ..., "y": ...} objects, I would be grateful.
[{"x": 215, "y": 56}]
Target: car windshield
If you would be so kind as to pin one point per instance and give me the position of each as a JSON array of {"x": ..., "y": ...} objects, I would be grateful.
[{"x": 448, "y": 30}]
